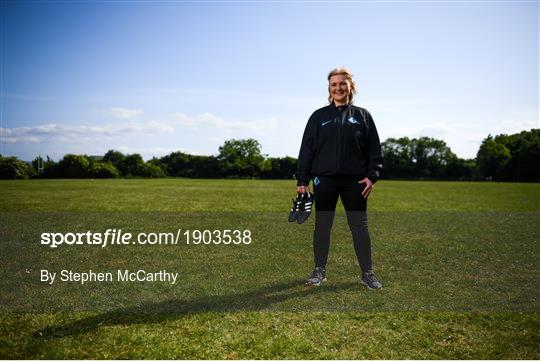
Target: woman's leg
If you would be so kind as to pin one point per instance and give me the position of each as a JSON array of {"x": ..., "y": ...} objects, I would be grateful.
[
  {"x": 355, "y": 206},
  {"x": 326, "y": 195}
]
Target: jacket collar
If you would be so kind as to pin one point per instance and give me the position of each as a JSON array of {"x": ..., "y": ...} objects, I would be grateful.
[{"x": 339, "y": 108}]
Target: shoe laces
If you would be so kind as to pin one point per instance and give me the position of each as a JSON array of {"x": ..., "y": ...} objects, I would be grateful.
[
  {"x": 371, "y": 276},
  {"x": 317, "y": 273},
  {"x": 298, "y": 202}
]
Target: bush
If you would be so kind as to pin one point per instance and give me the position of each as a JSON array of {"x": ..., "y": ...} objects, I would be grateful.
[
  {"x": 178, "y": 164},
  {"x": 279, "y": 168},
  {"x": 74, "y": 166},
  {"x": 132, "y": 165},
  {"x": 241, "y": 158},
  {"x": 150, "y": 170},
  {"x": 115, "y": 157},
  {"x": 13, "y": 168},
  {"x": 50, "y": 167},
  {"x": 104, "y": 170}
]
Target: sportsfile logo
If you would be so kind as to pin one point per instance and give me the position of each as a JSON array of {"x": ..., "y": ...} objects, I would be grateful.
[{"x": 120, "y": 238}]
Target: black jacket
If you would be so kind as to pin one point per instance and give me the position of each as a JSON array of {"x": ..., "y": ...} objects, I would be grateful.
[{"x": 339, "y": 140}]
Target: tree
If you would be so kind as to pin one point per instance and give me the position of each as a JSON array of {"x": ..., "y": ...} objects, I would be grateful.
[
  {"x": 150, "y": 170},
  {"x": 50, "y": 167},
  {"x": 115, "y": 157},
  {"x": 511, "y": 157},
  {"x": 241, "y": 157},
  {"x": 177, "y": 164},
  {"x": 398, "y": 158},
  {"x": 74, "y": 166},
  {"x": 202, "y": 166},
  {"x": 158, "y": 163},
  {"x": 13, "y": 168},
  {"x": 462, "y": 169},
  {"x": 524, "y": 165},
  {"x": 279, "y": 168},
  {"x": 132, "y": 165},
  {"x": 430, "y": 157},
  {"x": 422, "y": 157},
  {"x": 492, "y": 158},
  {"x": 104, "y": 170}
]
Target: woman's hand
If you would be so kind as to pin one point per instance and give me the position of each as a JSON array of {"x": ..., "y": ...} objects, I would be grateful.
[
  {"x": 368, "y": 188},
  {"x": 302, "y": 189}
]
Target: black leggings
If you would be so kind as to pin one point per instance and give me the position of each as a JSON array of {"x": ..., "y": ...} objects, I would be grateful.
[{"x": 327, "y": 190}]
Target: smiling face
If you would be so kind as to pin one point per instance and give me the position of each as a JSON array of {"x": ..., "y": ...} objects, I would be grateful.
[{"x": 339, "y": 88}]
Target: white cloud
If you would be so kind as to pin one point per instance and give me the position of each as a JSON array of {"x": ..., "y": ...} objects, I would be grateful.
[
  {"x": 437, "y": 130},
  {"x": 122, "y": 113},
  {"x": 516, "y": 122},
  {"x": 76, "y": 133},
  {"x": 464, "y": 136},
  {"x": 214, "y": 121},
  {"x": 179, "y": 132}
]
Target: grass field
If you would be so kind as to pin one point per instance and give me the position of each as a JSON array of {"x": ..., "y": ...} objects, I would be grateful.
[{"x": 459, "y": 263}]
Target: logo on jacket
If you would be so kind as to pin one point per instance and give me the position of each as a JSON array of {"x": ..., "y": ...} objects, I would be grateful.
[
  {"x": 327, "y": 122},
  {"x": 352, "y": 120}
]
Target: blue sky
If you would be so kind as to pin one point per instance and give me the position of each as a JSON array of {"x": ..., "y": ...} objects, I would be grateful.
[{"x": 156, "y": 77}]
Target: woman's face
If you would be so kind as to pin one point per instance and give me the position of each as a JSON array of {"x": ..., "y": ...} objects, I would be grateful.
[{"x": 339, "y": 88}]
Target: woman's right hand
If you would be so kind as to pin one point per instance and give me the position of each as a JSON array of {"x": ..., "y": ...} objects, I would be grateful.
[{"x": 302, "y": 189}]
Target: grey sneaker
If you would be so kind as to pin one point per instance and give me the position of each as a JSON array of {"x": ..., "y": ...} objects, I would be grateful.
[
  {"x": 317, "y": 277},
  {"x": 370, "y": 280}
]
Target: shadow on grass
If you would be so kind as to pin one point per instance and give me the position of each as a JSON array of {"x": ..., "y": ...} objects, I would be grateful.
[{"x": 257, "y": 300}]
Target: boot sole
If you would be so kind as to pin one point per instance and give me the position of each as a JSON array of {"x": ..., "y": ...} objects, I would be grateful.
[
  {"x": 370, "y": 288},
  {"x": 315, "y": 284}
]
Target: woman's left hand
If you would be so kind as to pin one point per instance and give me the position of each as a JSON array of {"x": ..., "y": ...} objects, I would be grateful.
[{"x": 368, "y": 187}]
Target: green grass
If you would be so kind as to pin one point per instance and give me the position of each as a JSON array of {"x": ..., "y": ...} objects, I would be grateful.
[
  {"x": 459, "y": 263},
  {"x": 253, "y": 335},
  {"x": 192, "y": 195}
]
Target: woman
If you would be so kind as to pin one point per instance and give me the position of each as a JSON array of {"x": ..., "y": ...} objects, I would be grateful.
[{"x": 341, "y": 152}]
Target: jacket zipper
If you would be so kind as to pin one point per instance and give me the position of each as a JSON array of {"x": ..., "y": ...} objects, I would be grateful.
[{"x": 340, "y": 123}]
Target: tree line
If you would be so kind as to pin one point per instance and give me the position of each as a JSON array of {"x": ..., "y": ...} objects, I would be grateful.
[{"x": 514, "y": 157}]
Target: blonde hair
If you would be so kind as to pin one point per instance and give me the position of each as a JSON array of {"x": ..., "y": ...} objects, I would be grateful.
[{"x": 348, "y": 74}]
